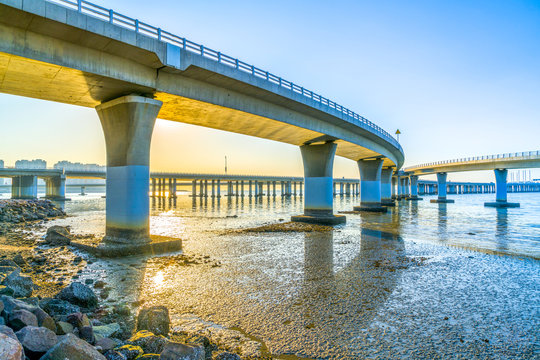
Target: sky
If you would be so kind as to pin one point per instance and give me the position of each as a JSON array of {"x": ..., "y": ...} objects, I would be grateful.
[{"x": 458, "y": 78}]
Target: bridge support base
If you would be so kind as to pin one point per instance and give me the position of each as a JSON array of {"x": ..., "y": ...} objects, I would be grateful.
[
  {"x": 24, "y": 187},
  {"x": 501, "y": 204},
  {"x": 127, "y": 124},
  {"x": 380, "y": 209},
  {"x": 414, "y": 198},
  {"x": 388, "y": 203},
  {"x": 318, "y": 200}
]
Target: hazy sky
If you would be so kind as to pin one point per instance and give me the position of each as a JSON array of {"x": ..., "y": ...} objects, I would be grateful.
[{"x": 458, "y": 78}]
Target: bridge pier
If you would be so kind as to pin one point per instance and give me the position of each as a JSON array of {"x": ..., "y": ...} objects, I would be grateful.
[
  {"x": 318, "y": 200},
  {"x": 127, "y": 124},
  {"x": 501, "y": 191},
  {"x": 55, "y": 188},
  {"x": 24, "y": 187},
  {"x": 386, "y": 187},
  {"x": 370, "y": 185},
  {"x": 441, "y": 189},
  {"x": 413, "y": 179}
]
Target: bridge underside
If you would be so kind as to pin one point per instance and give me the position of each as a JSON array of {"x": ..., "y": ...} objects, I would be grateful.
[
  {"x": 30, "y": 78},
  {"x": 480, "y": 166}
]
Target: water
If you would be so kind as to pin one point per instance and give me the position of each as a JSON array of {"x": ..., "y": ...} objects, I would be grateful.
[{"x": 422, "y": 281}]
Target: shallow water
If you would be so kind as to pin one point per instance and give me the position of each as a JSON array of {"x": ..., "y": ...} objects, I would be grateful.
[{"x": 419, "y": 282}]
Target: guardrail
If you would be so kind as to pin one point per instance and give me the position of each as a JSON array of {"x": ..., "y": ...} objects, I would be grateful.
[
  {"x": 521, "y": 155},
  {"x": 111, "y": 16}
]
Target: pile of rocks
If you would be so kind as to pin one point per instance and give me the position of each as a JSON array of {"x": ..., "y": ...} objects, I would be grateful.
[
  {"x": 72, "y": 325},
  {"x": 17, "y": 211}
]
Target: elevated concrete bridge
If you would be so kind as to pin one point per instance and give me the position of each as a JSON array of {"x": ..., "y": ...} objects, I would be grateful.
[
  {"x": 499, "y": 163},
  {"x": 80, "y": 53}
]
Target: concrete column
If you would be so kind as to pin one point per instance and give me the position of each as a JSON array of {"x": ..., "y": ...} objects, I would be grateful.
[
  {"x": 24, "y": 187},
  {"x": 501, "y": 191},
  {"x": 55, "y": 187},
  {"x": 218, "y": 188},
  {"x": 268, "y": 189},
  {"x": 370, "y": 185},
  {"x": 250, "y": 190},
  {"x": 318, "y": 200},
  {"x": 273, "y": 188},
  {"x": 301, "y": 185},
  {"x": 128, "y": 123},
  {"x": 236, "y": 187},
  {"x": 193, "y": 188},
  {"x": 174, "y": 187},
  {"x": 341, "y": 188},
  {"x": 441, "y": 188},
  {"x": 256, "y": 188},
  {"x": 153, "y": 189},
  {"x": 334, "y": 189},
  {"x": 394, "y": 185},
  {"x": 386, "y": 186},
  {"x": 213, "y": 185},
  {"x": 294, "y": 188},
  {"x": 414, "y": 187}
]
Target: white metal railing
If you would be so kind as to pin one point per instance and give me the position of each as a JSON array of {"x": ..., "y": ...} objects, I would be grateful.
[
  {"x": 517, "y": 156},
  {"x": 108, "y": 15}
]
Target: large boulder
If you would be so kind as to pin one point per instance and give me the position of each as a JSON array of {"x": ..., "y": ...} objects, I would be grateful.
[
  {"x": 79, "y": 294},
  {"x": 73, "y": 348},
  {"x": 36, "y": 341},
  {"x": 19, "y": 319},
  {"x": 22, "y": 286},
  {"x": 78, "y": 320},
  {"x": 178, "y": 351},
  {"x": 58, "y": 235},
  {"x": 150, "y": 343},
  {"x": 154, "y": 319},
  {"x": 57, "y": 307},
  {"x": 10, "y": 349},
  {"x": 44, "y": 320},
  {"x": 11, "y": 304}
]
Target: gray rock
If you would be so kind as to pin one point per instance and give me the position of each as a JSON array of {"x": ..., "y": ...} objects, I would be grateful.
[
  {"x": 87, "y": 334},
  {"x": 22, "y": 286},
  {"x": 10, "y": 349},
  {"x": 106, "y": 344},
  {"x": 63, "y": 328},
  {"x": 150, "y": 343},
  {"x": 105, "y": 331},
  {"x": 154, "y": 319},
  {"x": 78, "y": 320},
  {"x": 131, "y": 352},
  {"x": 11, "y": 304},
  {"x": 79, "y": 294},
  {"x": 6, "y": 330},
  {"x": 19, "y": 260},
  {"x": 44, "y": 320},
  {"x": 4, "y": 290},
  {"x": 225, "y": 355},
  {"x": 1, "y": 306},
  {"x": 149, "y": 357},
  {"x": 36, "y": 341},
  {"x": 9, "y": 263},
  {"x": 19, "y": 319},
  {"x": 178, "y": 351},
  {"x": 114, "y": 355},
  {"x": 72, "y": 348},
  {"x": 56, "y": 307},
  {"x": 58, "y": 235}
]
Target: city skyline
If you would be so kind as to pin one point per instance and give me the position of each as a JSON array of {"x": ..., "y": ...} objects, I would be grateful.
[{"x": 453, "y": 91}]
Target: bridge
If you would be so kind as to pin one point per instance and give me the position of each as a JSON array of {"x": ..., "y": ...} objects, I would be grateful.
[
  {"x": 499, "y": 163},
  {"x": 79, "y": 53}
]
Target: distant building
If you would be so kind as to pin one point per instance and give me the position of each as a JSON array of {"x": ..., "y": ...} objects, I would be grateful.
[
  {"x": 31, "y": 164},
  {"x": 68, "y": 165}
]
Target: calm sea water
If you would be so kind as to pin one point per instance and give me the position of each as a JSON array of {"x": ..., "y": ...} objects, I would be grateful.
[{"x": 422, "y": 281}]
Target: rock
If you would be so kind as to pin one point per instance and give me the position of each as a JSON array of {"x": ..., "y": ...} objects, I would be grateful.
[
  {"x": 114, "y": 355},
  {"x": 122, "y": 309},
  {"x": 72, "y": 348},
  {"x": 149, "y": 357},
  {"x": 58, "y": 235},
  {"x": 10, "y": 349},
  {"x": 99, "y": 284},
  {"x": 105, "y": 331},
  {"x": 8, "y": 263},
  {"x": 149, "y": 342},
  {"x": 6, "y": 330},
  {"x": 11, "y": 304},
  {"x": 63, "y": 328},
  {"x": 19, "y": 319},
  {"x": 225, "y": 355},
  {"x": 4, "y": 290},
  {"x": 36, "y": 341},
  {"x": 106, "y": 344},
  {"x": 154, "y": 319},
  {"x": 19, "y": 260},
  {"x": 79, "y": 294},
  {"x": 87, "y": 334},
  {"x": 56, "y": 307},
  {"x": 178, "y": 351},
  {"x": 44, "y": 320},
  {"x": 131, "y": 352},
  {"x": 1, "y": 306},
  {"x": 22, "y": 286},
  {"x": 78, "y": 320}
]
